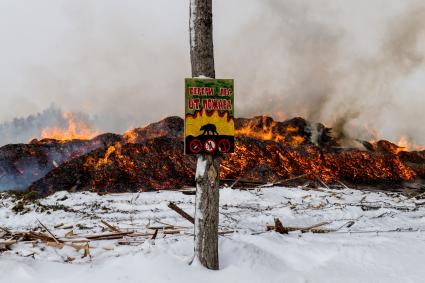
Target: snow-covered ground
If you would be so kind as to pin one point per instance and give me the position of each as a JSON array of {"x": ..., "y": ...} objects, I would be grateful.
[{"x": 381, "y": 238}]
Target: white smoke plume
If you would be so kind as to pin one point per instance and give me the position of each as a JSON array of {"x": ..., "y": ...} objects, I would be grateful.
[{"x": 353, "y": 65}]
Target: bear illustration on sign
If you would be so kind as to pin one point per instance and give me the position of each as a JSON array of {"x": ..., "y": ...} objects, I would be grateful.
[{"x": 209, "y": 129}]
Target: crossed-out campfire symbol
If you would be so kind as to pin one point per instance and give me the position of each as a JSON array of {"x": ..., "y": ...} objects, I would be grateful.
[{"x": 224, "y": 145}]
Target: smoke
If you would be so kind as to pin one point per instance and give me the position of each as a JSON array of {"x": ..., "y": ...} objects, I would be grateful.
[
  {"x": 121, "y": 61},
  {"x": 353, "y": 65},
  {"x": 24, "y": 129}
]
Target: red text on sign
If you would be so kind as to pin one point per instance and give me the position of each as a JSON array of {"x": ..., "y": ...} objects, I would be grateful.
[{"x": 202, "y": 91}]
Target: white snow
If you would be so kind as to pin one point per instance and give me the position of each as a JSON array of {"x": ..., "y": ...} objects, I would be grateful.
[
  {"x": 385, "y": 243},
  {"x": 201, "y": 166}
]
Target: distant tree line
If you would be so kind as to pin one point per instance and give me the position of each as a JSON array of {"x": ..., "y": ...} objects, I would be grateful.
[{"x": 24, "y": 129}]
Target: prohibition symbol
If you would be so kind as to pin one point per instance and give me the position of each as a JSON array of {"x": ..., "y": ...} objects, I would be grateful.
[
  {"x": 210, "y": 145},
  {"x": 224, "y": 145},
  {"x": 195, "y": 146}
]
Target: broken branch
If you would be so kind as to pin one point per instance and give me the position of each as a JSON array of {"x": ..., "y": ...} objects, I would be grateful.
[
  {"x": 182, "y": 213},
  {"x": 48, "y": 231},
  {"x": 113, "y": 228}
]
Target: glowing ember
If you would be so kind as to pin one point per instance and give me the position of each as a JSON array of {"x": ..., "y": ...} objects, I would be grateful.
[
  {"x": 264, "y": 128},
  {"x": 267, "y": 151},
  {"x": 76, "y": 129},
  {"x": 404, "y": 143}
]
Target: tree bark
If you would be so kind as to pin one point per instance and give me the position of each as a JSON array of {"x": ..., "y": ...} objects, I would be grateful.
[
  {"x": 208, "y": 166},
  {"x": 206, "y": 211},
  {"x": 201, "y": 38}
]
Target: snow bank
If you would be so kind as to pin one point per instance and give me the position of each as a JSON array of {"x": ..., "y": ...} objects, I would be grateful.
[{"x": 354, "y": 254}]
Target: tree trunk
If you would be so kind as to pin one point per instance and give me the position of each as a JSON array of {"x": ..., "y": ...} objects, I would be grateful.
[
  {"x": 208, "y": 166},
  {"x": 206, "y": 211},
  {"x": 201, "y": 38}
]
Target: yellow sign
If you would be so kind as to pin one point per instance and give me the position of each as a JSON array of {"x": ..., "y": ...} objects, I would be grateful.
[{"x": 209, "y": 116}]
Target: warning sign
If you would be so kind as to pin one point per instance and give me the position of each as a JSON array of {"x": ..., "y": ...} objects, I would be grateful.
[{"x": 209, "y": 112}]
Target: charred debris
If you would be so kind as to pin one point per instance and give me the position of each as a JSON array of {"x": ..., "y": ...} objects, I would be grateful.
[{"x": 293, "y": 152}]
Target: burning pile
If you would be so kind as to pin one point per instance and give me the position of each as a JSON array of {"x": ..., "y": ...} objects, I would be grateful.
[
  {"x": 267, "y": 151},
  {"x": 22, "y": 164},
  {"x": 151, "y": 158}
]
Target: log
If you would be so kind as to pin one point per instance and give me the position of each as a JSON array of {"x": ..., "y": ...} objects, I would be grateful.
[
  {"x": 58, "y": 225},
  {"x": 323, "y": 183},
  {"x": 7, "y": 242},
  {"x": 188, "y": 192},
  {"x": 113, "y": 228},
  {"x": 243, "y": 181},
  {"x": 107, "y": 236},
  {"x": 290, "y": 179},
  {"x": 36, "y": 236},
  {"x": 168, "y": 227},
  {"x": 182, "y": 213},
  {"x": 130, "y": 243},
  {"x": 278, "y": 227},
  {"x": 154, "y": 234},
  {"x": 48, "y": 231},
  {"x": 6, "y": 230}
]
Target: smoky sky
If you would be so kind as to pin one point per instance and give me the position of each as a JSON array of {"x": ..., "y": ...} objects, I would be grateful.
[{"x": 354, "y": 64}]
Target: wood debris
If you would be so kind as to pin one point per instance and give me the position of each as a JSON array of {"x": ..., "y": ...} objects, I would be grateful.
[
  {"x": 111, "y": 227},
  {"x": 278, "y": 227},
  {"x": 48, "y": 231},
  {"x": 180, "y": 211}
]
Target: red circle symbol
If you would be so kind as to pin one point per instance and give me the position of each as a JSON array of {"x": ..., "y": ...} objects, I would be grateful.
[
  {"x": 224, "y": 145},
  {"x": 210, "y": 146},
  {"x": 195, "y": 146}
]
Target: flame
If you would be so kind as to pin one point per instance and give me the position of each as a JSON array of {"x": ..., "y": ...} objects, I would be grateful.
[
  {"x": 269, "y": 131},
  {"x": 76, "y": 129},
  {"x": 131, "y": 136},
  {"x": 112, "y": 154},
  {"x": 105, "y": 160},
  {"x": 160, "y": 164},
  {"x": 405, "y": 144}
]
